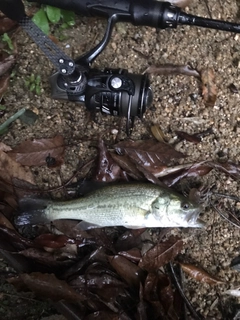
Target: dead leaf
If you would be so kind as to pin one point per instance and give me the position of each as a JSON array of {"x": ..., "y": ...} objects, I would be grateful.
[
  {"x": 4, "y": 83},
  {"x": 34, "y": 152},
  {"x": 127, "y": 165},
  {"x": 6, "y": 64},
  {"x": 189, "y": 137},
  {"x": 127, "y": 270},
  {"x": 157, "y": 133},
  {"x": 10, "y": 169},
  {"x": 209, "y": 88},
  {"x": 107, "y": 169},
  {"x": 172, "y": 69},
  {"x": 199, "y": 274},
  {"x": 4, "y": 147},
  {"x": 161, "y": 254},
  {"x": 55, "y": 259},
  {"x": 46, "y": 286},
  {"x": 149, "y": 153}
]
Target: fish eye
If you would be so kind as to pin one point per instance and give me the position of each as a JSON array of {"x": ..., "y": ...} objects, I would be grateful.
[{"x": 185, "y": 205}]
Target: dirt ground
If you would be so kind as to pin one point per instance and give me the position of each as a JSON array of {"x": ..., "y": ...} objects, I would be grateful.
[{"x": 177, "y": 105}]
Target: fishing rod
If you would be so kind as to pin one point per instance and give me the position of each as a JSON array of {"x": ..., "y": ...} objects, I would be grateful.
[{"x": 110, "y": 91}]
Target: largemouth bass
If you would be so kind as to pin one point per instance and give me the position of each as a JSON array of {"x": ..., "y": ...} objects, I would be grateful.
[{"x": 135, "y": 205}]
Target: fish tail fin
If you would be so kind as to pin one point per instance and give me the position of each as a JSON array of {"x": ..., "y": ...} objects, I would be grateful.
[{"x": 32, "y": 211}]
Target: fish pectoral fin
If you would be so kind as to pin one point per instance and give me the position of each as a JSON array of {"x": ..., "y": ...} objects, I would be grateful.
[{"x": 83, "y": 225}]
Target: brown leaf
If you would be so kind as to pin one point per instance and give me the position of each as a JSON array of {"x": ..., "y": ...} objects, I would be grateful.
[
  {"x": 127, "y": 270},
  {"x": 14, "y": 238},
  {"x": 34, "y": 152},
  {"x": 209, "y": 88},
  {"x": 10, "y": 169},
  {"x": 6, "y": 64},
  {"x": 55, "y": 259},
  {"x": 199, "y": 274},
  {"x": 161, "y": 254},
  {"x": 46, "y": 286},
  {"x": 52, "y": 240},
  {"x": 107, "y": 169},
  {"x": 127, "y": 165},
  {"x": 195, "y": 170},
  {"x": 132, "y": 254},
  {"x": 4, "y": 147},
  {"x": 157, "y": 133},
  {"x": 149, "y": 153},
  {"x": 6, "y": 24},
  {"x": 5, "y": 222},
  {"x": 4, "y": 83},
  {"x": 189, "y": 137},
  {"x": 172, "y": 69}
]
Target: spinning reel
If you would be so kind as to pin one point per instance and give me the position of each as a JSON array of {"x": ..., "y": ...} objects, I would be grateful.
[{"x": 110, "y": 91}]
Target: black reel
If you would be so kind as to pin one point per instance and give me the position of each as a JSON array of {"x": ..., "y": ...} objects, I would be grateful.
[{"x": 111, "y": 91}]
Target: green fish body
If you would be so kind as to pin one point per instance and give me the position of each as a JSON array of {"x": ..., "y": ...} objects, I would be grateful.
[{"x": 136, "y": 205}]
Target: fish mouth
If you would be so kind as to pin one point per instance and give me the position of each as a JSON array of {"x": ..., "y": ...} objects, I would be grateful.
[{"x": 193, "y": 220}]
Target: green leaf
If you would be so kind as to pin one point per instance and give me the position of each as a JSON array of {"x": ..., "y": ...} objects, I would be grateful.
[
  {"x": 6, "y": 39},
  {"x": 32, "y": 87},
  {"x": 53, "y": 14},
  {"x": 40, "y": 19},
  {"x": 2, "y": 107},
  {"x": 38, "y": 79},
  {"x": 38, "y": 90},
  {"x": 68, "y": 17}
]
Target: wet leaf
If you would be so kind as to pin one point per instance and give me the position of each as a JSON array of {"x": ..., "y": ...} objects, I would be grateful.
[
  {"x": 199, "y": 274},
  {"x": 35, "y": 152},
  {"x": 52, "y": 240},
  {"x": 47, "y": 286},
  {"x": 14, "y": 238},
  {"x": 129, "y": 239},
  {"x": 158, "y": 288},
  {"x": 161, "y": 254},
  {"x": 55, "y": 259},
  {"x": 132, "y": 254},
  {"x": 6, "y": 24},
  {"x": 209, "y": 88},
  {"x": 127, "y": 270},
  {"x": 189, "y": 137},
  {"x": 172, "y": 69},
  {"x": 5, "y": 222},
  {"x": 195, "y": 170},
  {"x": 107, "y": 169},
  {"x": 5, "y": 65},
  {"x": 127, "y": 165},
  {"x": 149, "y": 153}
]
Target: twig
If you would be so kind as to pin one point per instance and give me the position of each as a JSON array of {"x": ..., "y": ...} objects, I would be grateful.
[
  {"x": 187, "y": 302},
  {"x": 224, "y": 217}
]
